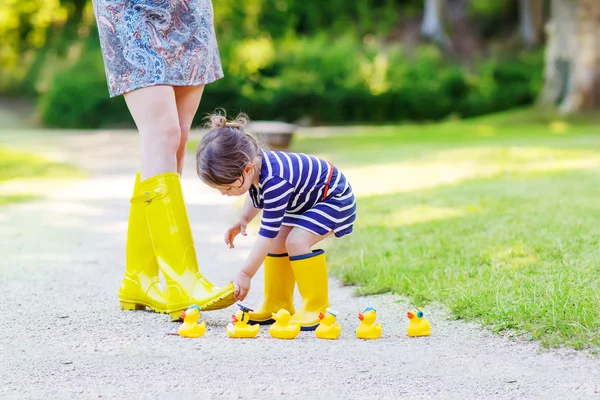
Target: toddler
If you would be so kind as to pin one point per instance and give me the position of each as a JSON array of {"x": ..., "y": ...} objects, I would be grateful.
[{"x": 304, "y": 200}]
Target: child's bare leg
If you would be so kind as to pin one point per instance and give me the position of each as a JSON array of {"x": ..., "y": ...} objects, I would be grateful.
[
  {"x": 300, "y": 241},
  {"x": 279, "y": 241}
]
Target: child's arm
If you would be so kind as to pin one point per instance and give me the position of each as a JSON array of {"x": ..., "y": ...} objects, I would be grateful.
[
  {"x": 258, "y": 254},
  {"x": 277, "y": 195},
  {"x": 247, "y": 215},
  {"x": 248, "y": 210}
]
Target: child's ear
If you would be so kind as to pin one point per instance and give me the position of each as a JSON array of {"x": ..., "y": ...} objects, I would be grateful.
[{"x": 248, "y": 168}]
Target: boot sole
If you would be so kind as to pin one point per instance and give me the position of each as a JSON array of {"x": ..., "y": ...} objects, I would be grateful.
[
  {"x": 134, "y": 306},
  {"x": 309, "y": 328},
  {"x": 220, "y": 303},
  {"x": 265, "y": 322},
  {"x": 216, "y": 304},
  {"x": 272, "y": 321}
]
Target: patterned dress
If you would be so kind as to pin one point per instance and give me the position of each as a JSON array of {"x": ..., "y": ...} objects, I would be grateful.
[
  {"x": 303, "y": 191},
  {"x": 157, "y": 42}
]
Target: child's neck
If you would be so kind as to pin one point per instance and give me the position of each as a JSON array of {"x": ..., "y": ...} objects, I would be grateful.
[{"x": 257, "y": 166}]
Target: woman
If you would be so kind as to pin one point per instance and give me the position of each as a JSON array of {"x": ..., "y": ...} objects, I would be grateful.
[{"x": 159, "y": 54}]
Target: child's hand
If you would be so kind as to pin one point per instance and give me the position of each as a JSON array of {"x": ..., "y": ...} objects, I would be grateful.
[
  {"x": 241, "y": 283},
  {"x": 234, "y": 230}
]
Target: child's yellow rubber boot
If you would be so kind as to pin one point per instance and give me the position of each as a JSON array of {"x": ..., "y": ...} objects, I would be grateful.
[
  {"x": 310, "y": 271},
  {"x": 279, "y": 289},
  {"x": 174, "y": 248},
  {"x": 141, "y": 285}
]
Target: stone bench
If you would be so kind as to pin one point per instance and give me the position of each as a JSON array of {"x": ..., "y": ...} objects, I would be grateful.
[{"x": 276, "y": 135}]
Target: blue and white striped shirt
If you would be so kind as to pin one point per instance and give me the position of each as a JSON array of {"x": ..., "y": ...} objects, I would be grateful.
[{"x": 290, "y": 184}]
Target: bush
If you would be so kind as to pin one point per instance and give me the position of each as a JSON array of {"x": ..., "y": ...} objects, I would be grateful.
[
  {"x": 78, "y": 97},
  {"x": 338, "y": 83},
  {"x": 503, "y": 84},
  {"x": 341, "y": 82}
]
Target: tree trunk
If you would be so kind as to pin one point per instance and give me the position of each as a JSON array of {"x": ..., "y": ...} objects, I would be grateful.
[
  {"x": 433, "y": 26},
  {"x": 573, "y": 56},
  {"x": 464, "y": 37},
  {"x": 531, "y": 14}
]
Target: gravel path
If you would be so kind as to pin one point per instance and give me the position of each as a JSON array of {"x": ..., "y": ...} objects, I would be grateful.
[{"x": 63, "y": 335}]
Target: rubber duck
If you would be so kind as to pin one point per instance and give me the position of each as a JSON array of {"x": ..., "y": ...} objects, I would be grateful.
[
  {"x": 367, "y": 328},
  {"x": 417, "y": 326},
  {"x": 328, "y": 328},
  {"x": 282, "y": 329},
  {"x": 239, "y": 328},
  {"x": 190, "y": 327}
]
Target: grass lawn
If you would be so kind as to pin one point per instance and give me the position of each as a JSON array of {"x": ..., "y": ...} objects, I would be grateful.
[
  {"x": 497, "y": 218},
  {"x": 15, "y": 164}
]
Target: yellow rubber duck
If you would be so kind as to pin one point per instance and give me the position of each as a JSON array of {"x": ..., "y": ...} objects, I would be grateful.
[
  {"x": 239, "y": 328},
  {"x": 190, "y": 327},
  {"x": 328, "y": 328},
  {"x": 367, "y": 328},
  {"x": 282, "y": 329},
  {"x": 417, "y": 326}
]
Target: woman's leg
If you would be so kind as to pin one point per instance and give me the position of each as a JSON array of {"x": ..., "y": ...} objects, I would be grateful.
[
  {"x": 154, "y": 111},
  {"x": 187, "y": 99},
  {"x": 310, "y": 271}
]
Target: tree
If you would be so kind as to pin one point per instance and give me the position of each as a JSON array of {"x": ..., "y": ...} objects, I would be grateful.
[
  {"x": 531, "y": 15},
  {"x": 463, "y": 40},
  {"x": 464, "y": 37},
  {"x": 572, "y": 81},
  {"x": 433, "y": 25}
]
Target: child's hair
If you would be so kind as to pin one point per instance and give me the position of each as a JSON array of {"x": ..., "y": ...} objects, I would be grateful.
[{"x": 225, "y": 150}]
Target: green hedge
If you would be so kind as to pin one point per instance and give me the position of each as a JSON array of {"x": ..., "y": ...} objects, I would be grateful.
[
  {"x": 78, "y": 97},
  {"x": 340, "y": 82}
]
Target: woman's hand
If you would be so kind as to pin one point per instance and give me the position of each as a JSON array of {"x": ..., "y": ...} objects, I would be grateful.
[
  {"x": 241, "y": 283},
  {"x": 238, "y": 227}
]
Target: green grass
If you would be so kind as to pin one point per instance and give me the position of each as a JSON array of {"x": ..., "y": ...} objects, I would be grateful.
[
  {"x": 16, "y": 165},
  {"x": 497, "y": 218}
]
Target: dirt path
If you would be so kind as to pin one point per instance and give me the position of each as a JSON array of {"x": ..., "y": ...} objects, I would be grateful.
[{"x": 63, "y": 336}]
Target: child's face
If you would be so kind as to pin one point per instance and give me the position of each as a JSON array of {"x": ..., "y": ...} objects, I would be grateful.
[
  {"x": 239, "y": 187},
  {"x": 235, "y": 189}
]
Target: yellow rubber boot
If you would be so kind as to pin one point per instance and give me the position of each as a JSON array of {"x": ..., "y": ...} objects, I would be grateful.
[
  {"x": 141, "y": 285},
  {"x": 174, "y": 248},
  {"x": 279, "y": 289},
  {"x": 310, "y": 271}
]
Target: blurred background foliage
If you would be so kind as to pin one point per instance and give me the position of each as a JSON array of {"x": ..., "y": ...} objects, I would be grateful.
[{"x": 294, "y": 60}]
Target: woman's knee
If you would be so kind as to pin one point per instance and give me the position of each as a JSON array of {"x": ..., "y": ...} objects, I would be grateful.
[
  {"x": 154, "y": 110},
  {"x": 166, "y": 134}
]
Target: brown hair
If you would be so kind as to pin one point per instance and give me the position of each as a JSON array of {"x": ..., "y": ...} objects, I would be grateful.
[{"x": 225, "y": 150}]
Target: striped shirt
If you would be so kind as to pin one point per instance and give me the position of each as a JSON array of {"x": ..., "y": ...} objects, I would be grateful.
[{"x": 292, "y": 184}]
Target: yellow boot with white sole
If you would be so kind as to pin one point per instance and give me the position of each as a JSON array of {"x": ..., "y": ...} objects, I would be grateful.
[
  {"x": 278, "y": 290},
  {"x": 141, "y": 287},
  {"x": 310, "y": 271},
  {"x": 173, "y": 244}
]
